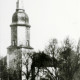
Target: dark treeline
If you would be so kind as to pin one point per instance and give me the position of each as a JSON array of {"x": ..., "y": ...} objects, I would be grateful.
[
  {"x": 64, "y": 60},
  {"x": 67, "y": 56},
  {"x": 55, "y": 63}
]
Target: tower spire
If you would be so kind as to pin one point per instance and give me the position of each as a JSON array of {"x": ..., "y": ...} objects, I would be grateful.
[{"x": 19, "y": 4}]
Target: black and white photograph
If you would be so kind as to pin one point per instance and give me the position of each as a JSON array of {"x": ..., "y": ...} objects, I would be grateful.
[{"x": 39, "y": 39}]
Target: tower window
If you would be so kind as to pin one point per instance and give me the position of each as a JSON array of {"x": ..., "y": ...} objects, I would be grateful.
[
  {"x": 13, "y": 43},
  {"x": 28, "y": 43}
]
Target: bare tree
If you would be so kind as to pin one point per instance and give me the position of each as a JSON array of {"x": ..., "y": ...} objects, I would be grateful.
[
  {"x": 26, "y": 64},
  {"x": 51, "y": 49},
  {"x": 68, "y": 63}
]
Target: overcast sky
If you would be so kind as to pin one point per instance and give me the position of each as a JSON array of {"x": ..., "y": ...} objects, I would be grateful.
[{"x": 48, "y": 19}]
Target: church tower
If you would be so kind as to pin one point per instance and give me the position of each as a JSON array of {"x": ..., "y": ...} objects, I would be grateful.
[
  {"x": 20, "y": 28},
  {"x": 20, "y": 37}
]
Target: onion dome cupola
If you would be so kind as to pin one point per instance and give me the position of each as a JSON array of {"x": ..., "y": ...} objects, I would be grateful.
[{"x": 20, "y": 17}]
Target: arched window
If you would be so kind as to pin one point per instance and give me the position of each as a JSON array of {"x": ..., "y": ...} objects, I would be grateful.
[
  {"x": 13, "y": 43},
  {"x": 28, "y": 43}
]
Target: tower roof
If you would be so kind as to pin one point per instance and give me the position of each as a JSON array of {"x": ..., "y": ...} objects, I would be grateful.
[{"x": 20, "y": 17}]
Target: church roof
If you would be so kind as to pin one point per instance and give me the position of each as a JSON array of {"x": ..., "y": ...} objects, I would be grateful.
[{"x": 20, "y": 18}]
